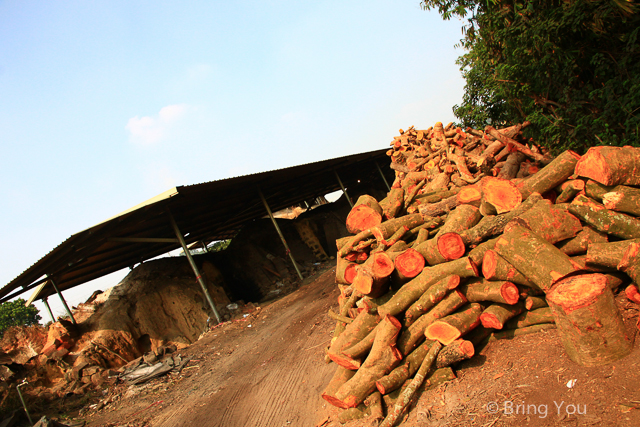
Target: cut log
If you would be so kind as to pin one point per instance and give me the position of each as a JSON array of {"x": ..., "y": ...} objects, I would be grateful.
[
  {"x": 341, "y": 376},
  {"x": 479, "y": 290},
  {"x": 477, "y": 254},
  {"x": 405, "y": 370},
  {"x": 516, "y": 145},
  {"x": 345, "y": 271},
  {"x": 374, "y": 404},
  {"x": 496, "y": 315},
  {"x": 365, "y": 214},
  {"x": 589, "y": 324},
  {"x": 533, "y": 302},
  {"x": 512, "y": 165},
  {"x": 496, "y": 268},
  {"x": 452, "y": 327},
  {"x": 605, "y": 220},
  {"x": 393, "y": 203},
  {"x": 608, "y": 254},
  {"x": 455, "y": 352},
  {"x": 500, "y": 194},
  {"x": 569, "y": 190},
  {"x": 414, "y": 289},
  {"x": 528, "y": 318},
  {"x": 580, "y": 243},
  {"x": 355, "y": 332},
  {"x": 443, "y": 248},
  {"x": 407, "y": 395},
  {"x": 493, "y": 225},
  {"x": 611, "y": 165},
  {"x": 537, "y": 259},
  {"x": 595, "y": 190},
  {"x": 552, "y": 175},
  {"x": 630, "y": 262},
  {"x": 345, "y": 306},
  {"x": 372, "y": 276},
  {"x": 381, "y": 360},
  {"x": 466, "y": 195},
  {"x": 632, "y": 293},
  {"x": 409, "y": 264},
  {"x": 623, "y": 199},
  {"x": 430, "y": 298},
  {"x": 414, "y": 334},
  {"x": 546, "y": 221}
]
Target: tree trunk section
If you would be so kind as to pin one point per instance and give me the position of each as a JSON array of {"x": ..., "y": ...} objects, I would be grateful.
[
  {"x": 611, "y": 165},
  {"x": 496, "y": 315},
  {"x": 496, "y": 268},
  {"x": 552, "y": 175},
  {"x": 546, "y": 221},
  {"x": 529, "y": 318},
  {"x": 409, "y": 264},
  {"x": 452, "y": 327},
  {"x": 365, "y": 214},
  {"x": 605, "y": 220},
  {"x": 579, "y": 244},
  {"x": 623, "y": 199},
  {"x": 608, "y": 254},
  {"x": 588, "y": 320},
  {"x": 480, "y": 290},
  {"x": 430, "y": 298},
  {"x": 501, "y": 194}
]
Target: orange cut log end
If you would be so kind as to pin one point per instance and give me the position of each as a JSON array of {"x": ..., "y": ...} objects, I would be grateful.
[
  {"x": 468, "y": 195},
  {"x": 451, "y": 246},
  {"x": 350, "y": 273},
  {"x": 632, "y": 293},
  {"x": 510, "y": 293},
  {"x": 410, "y": 263},
  {"x": 501, "y": 193},
  {"x": 442, "y": 332},
  {"x": 362, "y": 217},
  {"x": 381, "y": 265}
]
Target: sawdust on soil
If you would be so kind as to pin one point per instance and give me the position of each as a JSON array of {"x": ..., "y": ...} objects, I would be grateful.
[{"x": 267, "y": 369}]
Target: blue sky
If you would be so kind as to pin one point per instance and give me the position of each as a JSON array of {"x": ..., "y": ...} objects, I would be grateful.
[{"x": 106, "y": 104}]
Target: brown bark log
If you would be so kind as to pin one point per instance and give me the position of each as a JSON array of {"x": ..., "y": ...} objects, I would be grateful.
[
  {"x": 552, "y": 175},
  {"x": 589, "y": 324},
  {"x": 430, "y": 298},
  {"x": 632, "y": 293},
  {"x": 453, "y": 326},
  {"x": 341, "y": 376},
  {"x": 414, "y": 334},
  {"x": 623, "y": 199},
  {"x": 409, "y": 264},
  {"x": 405, "y": 370},
  {"x": 496, "y": 268},
  {"x": 443, "y": 248},
  {"x": 365, "y": 214},
  {"x": 479, "y": 290},
  {"x": 363, "y": 324},
  {"x": 492, "y": 225},
  {"x": 595, "y": 190},
  {"x": 569, "y": 190},
  {"x": 546, "y": 221},
  {"x": 580, "y": 243},
  {"x": 372, "y": 275},
  {"x": 381, "y": 360},
  {"x": 345, "y": 306},
  {"x": 537, "y": 259},
  {"x": 534, "y": 302},
  {"x": 455, "y": 352},
  {"x": 500, "y": 194},
  {"x": 412, "y": 290},
  {"x": 462, "y": 218},
  {"x": 529, "y": 318},
  {"x": 605, "y": 220},
  {"x": 512, "y": 165},
  {"x": 496, "y": 315},
  {"x": 466, "y": 195},
  {"x": 515, "y": 144},
  {"x": 393, "y": 203},
  {"x": 374, "y": 404},
  {"x": 611, "y": 165},
  {"x": 608, "y": 254},
  {"x": 477, "y": 254},
  {"x": 345, "y": 271}
]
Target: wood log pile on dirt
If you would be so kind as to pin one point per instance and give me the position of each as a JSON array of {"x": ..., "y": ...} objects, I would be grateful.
[{"x": 482, "y": 236}]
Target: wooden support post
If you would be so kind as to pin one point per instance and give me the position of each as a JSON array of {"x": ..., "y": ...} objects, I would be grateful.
[
  {"x": 344, "y": 190},
  {"x": 66, "y": 307},
  {"x": 46, "y": 304},
  {"x": 194, "y": 267},
  {"x": 382, "y": 175},
  {"x": 284, "y": 241}
]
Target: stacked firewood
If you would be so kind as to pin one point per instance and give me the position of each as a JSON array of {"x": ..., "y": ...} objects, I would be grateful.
[{"x": 482, "y": 236}]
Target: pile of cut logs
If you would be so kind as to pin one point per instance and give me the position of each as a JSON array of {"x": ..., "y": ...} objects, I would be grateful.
[{"x": 481, "y": 237}]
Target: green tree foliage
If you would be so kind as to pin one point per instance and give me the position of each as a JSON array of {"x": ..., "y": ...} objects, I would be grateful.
[
  {"x": 570, "y": 67},
  {"x": 14, "y": 313}
]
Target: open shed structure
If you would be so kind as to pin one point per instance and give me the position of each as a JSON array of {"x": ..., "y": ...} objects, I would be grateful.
[{"x": 185, "y": 215}]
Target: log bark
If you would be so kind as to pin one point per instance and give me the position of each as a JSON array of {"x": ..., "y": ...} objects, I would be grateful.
[
  {"x": 579, "y": 244},
  {"x": 512, "y": 165},
  {"x": 632, "y": 293},
  {"x": 443, "y": 248},
  {"x": 496, "y": 268},
  {"x": 496, "y": 315},
  {"x": 345, "y": 271},
  {"x": 405, "y": 370},
  {"x": 529, "y": 318},
  {"x": 380, "y": 361},
  {"x": 452, "y": 327},
  {"x": 608, "y": 254},
  {"x": 407, "y": 395},
  {"x": 414, "y": 289},
  {"x": 546, "y": 221},
  {"x": 595, "y": 190},
  {"x": 539, "y": 261},
  {"x": 533, "y": 302},
  {"x": 569, "y": 190},
  {"x": 365, "y": 214},
  {"x": 477, "y": 254},
  {"x": 393, "y": 203},
  {"x": 552, "y": 175},
  {"x": 589, "y": 324},
  {"x": 372, "y": 276},
  {"x": 611, "y": 165},
  {"x": 492, "y": 225},
  {"x": 515, "y": 144},
  {"x": 374, "y": 404},
  {"x": 623, "y": 199},
  {"x": 414, "y": 334},
  {"x": 605, "y": 220},
  {"x": 455, "y": 352},
  {"x": 479, "y": 290},
  {"x": 512, "y": 333},
  {"x": 430, "y": 298},
  {"x": 355, "y": 332},
  {"x": 341, "y": 376},
  {"x": 466, "y": 195}
]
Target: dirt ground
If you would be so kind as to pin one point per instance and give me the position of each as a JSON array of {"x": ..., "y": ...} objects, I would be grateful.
[{"x": 268, "y": 370}]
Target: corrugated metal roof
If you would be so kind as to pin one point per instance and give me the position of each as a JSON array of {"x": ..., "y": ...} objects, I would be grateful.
[{"x": 209, "y": 211}]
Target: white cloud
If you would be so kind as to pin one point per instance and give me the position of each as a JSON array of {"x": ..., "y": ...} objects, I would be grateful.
[{"x": 150, "y": 130}]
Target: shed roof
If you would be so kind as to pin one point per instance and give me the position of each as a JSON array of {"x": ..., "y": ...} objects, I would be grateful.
[{"x": 209, "y": 211}]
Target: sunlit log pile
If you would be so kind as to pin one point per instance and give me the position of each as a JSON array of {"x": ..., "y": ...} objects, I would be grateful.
[{"x": 482, "y": 236}]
